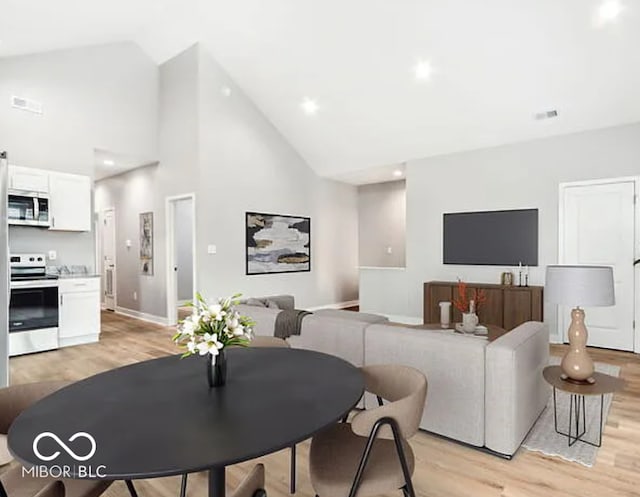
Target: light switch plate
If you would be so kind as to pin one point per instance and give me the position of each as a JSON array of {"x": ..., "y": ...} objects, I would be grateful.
[
  {"x": 211, "y": 249},
  {"x": 53, "y": 255},
  {"x": 128, "y": 243}
]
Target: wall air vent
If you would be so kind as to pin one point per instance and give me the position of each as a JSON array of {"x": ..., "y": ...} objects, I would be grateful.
[
  {"x": 26, "y": 104},
  {"x": 548, "y": 114}
]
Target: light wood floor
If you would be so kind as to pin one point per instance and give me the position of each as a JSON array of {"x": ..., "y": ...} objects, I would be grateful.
[{"x": 443, "y": 468}]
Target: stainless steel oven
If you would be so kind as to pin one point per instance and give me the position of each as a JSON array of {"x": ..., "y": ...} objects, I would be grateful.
[{"x": 33, "y": 306}]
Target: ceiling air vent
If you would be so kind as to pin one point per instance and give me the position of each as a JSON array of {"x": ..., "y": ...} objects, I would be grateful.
[
  {"x": 549, "y": 114},
  {"x": 26, "y": 104}
]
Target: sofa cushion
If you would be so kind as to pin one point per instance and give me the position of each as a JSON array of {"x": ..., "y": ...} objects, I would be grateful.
[
  {"x": 351, "y": 315},
  {"x": 454, "y": 367},
  {"x": 342, "y": 338},
  {"x": 264, "y": 318}
]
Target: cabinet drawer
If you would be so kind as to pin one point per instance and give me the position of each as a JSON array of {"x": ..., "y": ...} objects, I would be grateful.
[{"x": 71, "y": 285}]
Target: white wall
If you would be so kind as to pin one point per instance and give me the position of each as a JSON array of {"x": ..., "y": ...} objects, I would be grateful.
[
  {"x": 184, "y": 247},
  {"x": 247, "y": 165},
  {"x": 382, "y": 224},
  {"x": 92, "y": 97},
  {"x": 227, "y": 152},
  {"x": 524, "y": 175}
]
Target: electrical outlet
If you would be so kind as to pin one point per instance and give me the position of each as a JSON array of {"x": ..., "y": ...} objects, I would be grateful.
[
  {"x": 135, "y": 295},
  {"x": 211, "y": 249},
  {"x": 389, "y": 250},
  {"x": 53, "y": 255}
]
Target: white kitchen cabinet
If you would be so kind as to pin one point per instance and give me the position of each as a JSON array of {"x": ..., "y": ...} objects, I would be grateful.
[
  {"x": 70, "y": 202},
  {"x": 28, "y": 179},
  {"x": 79, "y": 311}
]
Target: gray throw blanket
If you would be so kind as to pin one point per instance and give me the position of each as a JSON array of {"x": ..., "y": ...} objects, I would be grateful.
[{"x": 289, "y": 322}]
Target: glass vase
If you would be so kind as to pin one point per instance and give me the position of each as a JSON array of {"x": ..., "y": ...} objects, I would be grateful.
[{"x": 217, "y": 371}]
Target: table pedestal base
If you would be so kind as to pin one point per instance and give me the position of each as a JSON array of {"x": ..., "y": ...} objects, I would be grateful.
[{"x": 217, "y": 483}]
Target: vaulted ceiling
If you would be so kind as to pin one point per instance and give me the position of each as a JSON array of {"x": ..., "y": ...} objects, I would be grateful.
[{"x": 487, "y": 67}]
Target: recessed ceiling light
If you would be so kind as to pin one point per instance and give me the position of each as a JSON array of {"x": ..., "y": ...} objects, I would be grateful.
[
  {"x": 397, "y": 173},
  {"x": 423, "y": 70},
  {"x": 226, "y": 91},
  {"x": 108, "y": 162},
  {"x": 609, "y": 11},
  {"x": 309, "y": 106}
]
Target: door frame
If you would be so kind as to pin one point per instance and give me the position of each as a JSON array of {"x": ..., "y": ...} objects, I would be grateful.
[
  {"x": 636, "y": 279},
  {"x": 170, "y": 212},
  {"x": 100, "y": 253}
]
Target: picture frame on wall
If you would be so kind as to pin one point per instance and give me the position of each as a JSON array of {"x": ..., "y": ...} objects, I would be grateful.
[
  {"x": 146, "y": 243},
  {"x": 277, "y": 243}
]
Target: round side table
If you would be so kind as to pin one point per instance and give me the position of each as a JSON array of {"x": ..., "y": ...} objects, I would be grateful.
[{"x": 604, "y": 384}]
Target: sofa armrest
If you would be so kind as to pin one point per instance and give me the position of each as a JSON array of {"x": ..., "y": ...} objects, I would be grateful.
[
  {"x": 515, "y": 392},
  {"x": 284, "y": 302}
]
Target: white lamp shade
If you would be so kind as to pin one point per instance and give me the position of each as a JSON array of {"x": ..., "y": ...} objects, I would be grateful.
[{"x": 585, "y": 286}]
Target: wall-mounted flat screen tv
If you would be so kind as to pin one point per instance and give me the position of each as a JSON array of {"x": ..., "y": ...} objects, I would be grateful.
[{"x": 495, "y": 238}]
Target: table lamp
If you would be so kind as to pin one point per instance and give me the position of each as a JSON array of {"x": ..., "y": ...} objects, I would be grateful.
[{"x": 576, "y": 286}]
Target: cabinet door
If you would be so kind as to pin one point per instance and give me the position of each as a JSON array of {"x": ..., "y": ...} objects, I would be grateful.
[
  {"x": 79, "y": 314},
  {"x": 491, "y": 312},
  {"x": 70, "y": 202},
  {"x": 434, "y": 294},
  {"x": 28, "y": 179},
  {"x": 517, "y": 308}
]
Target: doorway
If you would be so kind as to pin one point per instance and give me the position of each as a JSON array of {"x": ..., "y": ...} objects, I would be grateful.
[
  {"x": 108, "y": 252},
  {"x": 599, "y": 225},
  {"x": 181, "y": 256}
]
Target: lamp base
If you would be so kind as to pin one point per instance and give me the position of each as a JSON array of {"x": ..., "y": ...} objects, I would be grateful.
[
  {"x": 589, "y": 381},
  {"x": 576, "y": 364}
]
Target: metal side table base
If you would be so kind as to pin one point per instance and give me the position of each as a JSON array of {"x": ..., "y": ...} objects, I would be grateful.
[{"x": 577, "y": 409}]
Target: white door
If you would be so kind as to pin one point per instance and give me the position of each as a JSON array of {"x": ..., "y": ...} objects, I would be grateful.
[
  {"x": 109, "y": 258},
  {"x": 598, "y": 227}
]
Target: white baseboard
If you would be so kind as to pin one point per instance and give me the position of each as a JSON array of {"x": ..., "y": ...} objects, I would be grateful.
[
  {"x": 143, "y": 316},
  {"x": 555, "y": 338},
  {"x": 339, "y": 305}
]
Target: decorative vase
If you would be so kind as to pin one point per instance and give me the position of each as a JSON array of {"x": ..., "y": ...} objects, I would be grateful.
[
  {"x": 217, "y": 372},
  {"x": 445, "y": 314},
  {"x": 469, "y": 322}
]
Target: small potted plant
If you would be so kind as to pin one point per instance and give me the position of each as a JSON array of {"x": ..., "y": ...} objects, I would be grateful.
[
  {"x": 468, "y": 305},
  {"x": 211, "y": 329}
]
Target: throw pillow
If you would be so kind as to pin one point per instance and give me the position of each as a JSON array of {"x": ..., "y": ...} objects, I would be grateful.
[{"x": 256, "y": 302}]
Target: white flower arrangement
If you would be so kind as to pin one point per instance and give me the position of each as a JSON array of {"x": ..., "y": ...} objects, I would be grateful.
[{"x": 212, "y": 327}]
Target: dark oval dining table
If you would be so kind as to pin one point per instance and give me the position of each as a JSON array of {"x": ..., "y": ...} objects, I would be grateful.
[{"x": 159, "y": 417}]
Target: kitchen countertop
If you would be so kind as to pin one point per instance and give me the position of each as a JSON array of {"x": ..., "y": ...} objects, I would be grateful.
[{"x": 71, "y": 276}]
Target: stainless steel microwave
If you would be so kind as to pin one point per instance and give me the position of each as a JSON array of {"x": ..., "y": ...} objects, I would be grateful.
[{"x": 28, "y": 208}]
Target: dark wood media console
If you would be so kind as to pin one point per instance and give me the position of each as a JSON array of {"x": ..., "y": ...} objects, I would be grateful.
[{"x": 506, "y": 306}]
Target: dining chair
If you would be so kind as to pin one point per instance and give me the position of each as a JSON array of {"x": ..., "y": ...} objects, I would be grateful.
[
  {"x": 371, "y": 455},
  {"x": 14, "y": 487},
  {"x": 14, "y": 400}
]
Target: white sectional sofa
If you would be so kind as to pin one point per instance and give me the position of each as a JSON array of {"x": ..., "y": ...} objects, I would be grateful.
[{"x": 485, "y": 394}]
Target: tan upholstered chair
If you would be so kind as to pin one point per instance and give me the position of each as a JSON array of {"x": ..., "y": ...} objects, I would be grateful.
[
  {"x": 14, "y": 400},
  {"x": 370, "y": 455}
]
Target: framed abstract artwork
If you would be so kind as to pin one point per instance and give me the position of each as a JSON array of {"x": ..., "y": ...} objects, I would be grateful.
[
  {"x": 277, "y": 243},
  {"x": 146, "y": 243}
]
